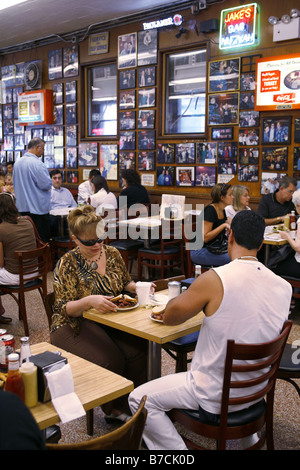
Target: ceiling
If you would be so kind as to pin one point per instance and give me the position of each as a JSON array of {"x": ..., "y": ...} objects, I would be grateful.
[{"x": 43, "y": 20}]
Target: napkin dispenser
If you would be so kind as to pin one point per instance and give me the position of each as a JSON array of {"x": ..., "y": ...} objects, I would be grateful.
[{"x": 46, "y": 362}]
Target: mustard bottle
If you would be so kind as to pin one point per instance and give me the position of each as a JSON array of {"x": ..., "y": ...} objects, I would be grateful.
[{"x": 29, "y": 375}]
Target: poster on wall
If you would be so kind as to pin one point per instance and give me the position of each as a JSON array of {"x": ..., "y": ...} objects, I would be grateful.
[{"x": 278, "y": 82}]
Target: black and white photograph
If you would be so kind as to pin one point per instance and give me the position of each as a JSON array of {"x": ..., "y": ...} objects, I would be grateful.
[
  {"x": 127, "y": 140},
  {"x": 127, "y": 51},
  {"x": 165, "y": 176},
  {"x": 126, "y": 120},
  {"x": 274, "y": 158},
  {"x": 146, "y": 161},
  {"x": 206, "y": 152},
  {"x": 205, "y": 176},
  {"x": 249, "y": 136},
  {"x": 276, "y": 130},
  {"x": 126, "y": 79},
  {"x": 185, "y": 153},
  {"x": 146, "y": 140},
  {"x": 146, "y": 76},
  {"x": 70, "y": 61},
  {"x": 127, "y": 161},
  {"x": 146, "y": 119},
  {"x": 185, "y": 176},
  {"x": 55, "y": 64},
  {"x": 146, "y": 97},
  {"x": 223, "y": 108},
  {"x": 147, "y": 47},
  {"x": 165, "y": 153},
  {"x": 224, "y": 75},
  {"x": 88, "y": 154}
]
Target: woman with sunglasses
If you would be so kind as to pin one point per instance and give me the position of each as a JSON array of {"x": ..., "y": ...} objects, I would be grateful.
[
  {"x": 89, "y": 276},
  {"x": 216, "y": 226}
]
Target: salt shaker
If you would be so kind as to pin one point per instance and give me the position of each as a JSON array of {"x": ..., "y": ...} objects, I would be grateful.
[
  {"x": 173, "y": 289},
  {"x": 25, "y": 352}
]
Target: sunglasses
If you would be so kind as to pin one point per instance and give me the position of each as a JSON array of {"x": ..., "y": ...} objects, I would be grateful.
[{"x": 90, "y": 242}]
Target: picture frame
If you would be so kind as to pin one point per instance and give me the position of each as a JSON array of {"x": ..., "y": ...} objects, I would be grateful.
[
  {"x": 221, "y": 133},
  {"x": 249, "y": 136},
  {"x": 274, "y": 158},
  {"x": 146, "y": 119},
  {"x": 57, "y": 93},
  {"x": 127, "y": 140},
  {"x": 71, "y": 91},
  {"x": 8, "y": 111},
  {"x": 270, "y": 182},
  {"x": 71, "y": 157},
  {"x": 249, "y": 119},
  {"x": 8, "y": 75},
  {"x": 58, "y": 136},
  {"x": 146, "y": 161},
  {"x": 72, "y": 177},
  {"x": 15, "y": 93},
  {"x": 8, "y": 126},
  {"x": 55, "y": 70},
  {"x": 19, "y": 142},
  {"x": 206, "y": 152},
  {"x": 37, "y": 132},
  {"x": 9, "y": 156},
  {"x": 185, "y": 176},
  {"x": 49, "y": 149},
  {"x": 58, "y": 114},
  {"x": 8, "y": 143},
  {"x": 248, "y": 155},
  {"x": 146, "y": 97},
  {"x": 127, "y": 79},
  {"x": 185, "y": 153},
  {"x": 165, "y": 153},
  {"x": 165, "y": 176},
  {"x": 205, "y": 176},
  {"x": 70, "y": 61},
  {"x": 127, "y": 99},
  {"x": 248, "y": 173},
  {"x": 71, "y": 113},
  {"x": 49, "y": 161},
  {"x": 126, "y": 161},
  {"x": 71, "y": 136},
  {"x": 147, "y": 47},
  {"x": 247, "y": 100},
  {"x": 146, "y": 140},
  {"x": 223, "y": 108},
  {"x": 247, "y": 81},
  {"x": 48, "y": 134},
  {"x": 224, "y": 75},
  {"x": 59, "y": 157},
  {"x": 7, "y": 95},
  {"x": 126, "y": 120},
  {"x": 20, "y": 73},
  {"x": 127, "y": 55},
  {"x": 88, "y": 154},
  {"x": 109, "y": 161},
  {"x": 146, "y": 76},
  {"x": 227, "y": 158},
  {"x": 296, "y": 159},
  {"x": 276, "y": 130}
]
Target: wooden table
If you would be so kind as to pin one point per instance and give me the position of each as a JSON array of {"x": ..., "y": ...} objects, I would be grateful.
[
  {"x": 93, "y": 385},
  {"x": 137, "y": 322},
  {"x": 271, "y": 238}
]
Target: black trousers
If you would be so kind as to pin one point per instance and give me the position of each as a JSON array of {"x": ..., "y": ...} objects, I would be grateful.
[{"x": 42, "y": 223}]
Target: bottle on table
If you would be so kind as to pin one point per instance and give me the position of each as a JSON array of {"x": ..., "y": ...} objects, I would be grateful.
[
  {"x": 28, "y": 372},
  {"x": 25, "y": 352},
  {"x": 197, "y": 270},
  {"x": 287, "y": 222},
  {"x": 293, "y": 221},
  {"x": 14, "y": 382}
]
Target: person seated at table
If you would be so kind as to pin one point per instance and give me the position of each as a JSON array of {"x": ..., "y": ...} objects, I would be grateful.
[
  {"x": 132, "y": 189},
  {"x": 274, "y": 206},
  {"x": 241, "y": 198},
  {"x": 243, "y": 301},
  {"x": 85, "y": 189},
  {"x": 216, "y": 225},
  {"x": 16, "y": 233},
  {"x": 87, "y": 277},
  {"x": 8, "y": 184},
  {"x": 60, "y": 198},
  {"x": 102, "y": 197}
]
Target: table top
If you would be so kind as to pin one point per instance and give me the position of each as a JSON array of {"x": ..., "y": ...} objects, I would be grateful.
[
  {"x": 138, "y": 322},
  {"x": 61, "y": 211},
  {"x": 93, "y": 384},
  {"x": 274, "y": 238}
]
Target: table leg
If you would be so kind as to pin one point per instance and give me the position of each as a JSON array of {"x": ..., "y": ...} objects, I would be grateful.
[
  {"x": 267, "y": 254},
  {"x": 154, "y": 360}
]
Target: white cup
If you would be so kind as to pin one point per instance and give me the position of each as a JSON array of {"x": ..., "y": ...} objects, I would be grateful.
[{"x": 143, "y": 291}]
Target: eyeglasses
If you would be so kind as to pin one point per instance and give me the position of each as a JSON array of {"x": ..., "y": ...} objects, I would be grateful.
[{"x": 90, "y": 242}]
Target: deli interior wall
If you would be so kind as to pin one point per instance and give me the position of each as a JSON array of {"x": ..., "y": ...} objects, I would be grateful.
[{"x": 168, "y": 42}]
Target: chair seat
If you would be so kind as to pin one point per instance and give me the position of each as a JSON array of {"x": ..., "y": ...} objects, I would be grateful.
[
  {"x": 157, "y": 250},
  {"x": 238, "y": 418},
  {"x": 34, "y": 283},
  {"x": 187, "y": 339},
  {"x": 286, "y": 363},
  {"x": 127, "y": 244}
]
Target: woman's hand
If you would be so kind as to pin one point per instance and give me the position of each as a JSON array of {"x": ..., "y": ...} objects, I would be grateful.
[
  {"x": 285, "y": 235},
  {"x": 102, "y": 303}
]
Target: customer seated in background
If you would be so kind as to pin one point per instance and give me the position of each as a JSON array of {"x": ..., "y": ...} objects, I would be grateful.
[
  {"x": 216, "y": 225},
  {"x": 16, "y": 233},
  {"x": 85, "y": 189},
  {"x": 241, "y": 198},
  {"x": 102, "y": 197},
  {"x": 87, "y": 277},
  {"x": 8, "y": 184},
  {"x": 132, "y": 189},
  {"x": 60, "y": 198},
  {"x": 274, "y": 206},
  {"x": 243, "y": 301}
]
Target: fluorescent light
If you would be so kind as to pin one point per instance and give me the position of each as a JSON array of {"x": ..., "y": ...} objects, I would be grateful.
[{"x": 10, "y": 3}]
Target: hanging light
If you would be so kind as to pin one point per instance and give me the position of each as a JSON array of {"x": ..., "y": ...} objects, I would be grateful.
[
  {"x": 294, "y": 13},
  {"x": 273, "y": 20},
  {"x": 286, "y": 19}
]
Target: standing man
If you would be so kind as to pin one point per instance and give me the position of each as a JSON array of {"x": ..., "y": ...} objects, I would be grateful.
[
  {"x": 32, "y": 185},
  {"x": 273, "y": 207},
  {"x": 85, "y": 189}
]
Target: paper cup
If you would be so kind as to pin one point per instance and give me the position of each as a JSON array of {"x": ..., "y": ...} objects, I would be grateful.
[{"x": 143, "y": 291}]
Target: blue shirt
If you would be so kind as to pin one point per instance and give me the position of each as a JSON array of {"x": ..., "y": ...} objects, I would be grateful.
[
  {"x": 32, "y": 185},
  {"x": 61, "y": 197}
]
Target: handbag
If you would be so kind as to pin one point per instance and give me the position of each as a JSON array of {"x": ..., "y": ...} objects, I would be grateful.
[
  {"x": 279, "y": 255},
  {"x": 219, "y": 246}
]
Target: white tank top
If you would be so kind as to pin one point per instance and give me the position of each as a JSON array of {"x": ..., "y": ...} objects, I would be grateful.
[{"x": 254, "y": 307}]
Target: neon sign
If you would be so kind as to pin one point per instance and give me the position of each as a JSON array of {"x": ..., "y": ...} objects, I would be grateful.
[
  {"x": 175, "y": 20},
  {"x": 238, "y": 26}
]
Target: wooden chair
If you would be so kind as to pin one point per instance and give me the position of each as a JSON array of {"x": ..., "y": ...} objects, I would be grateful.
[
  {"x": 33, "y": 263},
  {"x": 259, "y": 359},
  {"x": 289, "y": 368},
  {"x": 39, "y": 241},
  {"x": 127, "y": 437},
  {"x": 59, "y": 246}
]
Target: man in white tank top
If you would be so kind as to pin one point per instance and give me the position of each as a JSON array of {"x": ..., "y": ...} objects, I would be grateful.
[{"x": 242, "y": 300}]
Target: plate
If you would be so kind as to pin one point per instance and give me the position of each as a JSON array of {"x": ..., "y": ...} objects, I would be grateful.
[
  {"x": 120, "y": 309},
  {"x": 155, "y": 319}
]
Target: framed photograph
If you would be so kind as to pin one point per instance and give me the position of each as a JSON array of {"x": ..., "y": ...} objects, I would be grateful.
[
  {"x": 9, "y": 156},
  {"x": 127, "y": 51},
  {"x": 221, "y": 133},
  {"x": 88, "y": 154},
  {"x": 72, "y": 177},
  {"x": 8, "y": 126},
  {"x": 185, "y": 176},
  {"x": 58, "y": 114},
  {"x": 165, "y": 153},
  {"x": 296, "y": 161},
  {"x": 70, "y": 61},
  {"x": 146, "y": 76},
  {"x": 146, "y": 97},
  {"x": 49, "y": 161},
  {"x": 8, "y": 75},
  {"x": 71, "y": 157},
  {"x": 127, "y": 140},
  {"x": 206, "y": 152},
  {"x": 205, "y": 176},
  {"x": 227, "y": 158},
  {"x": 57, "y": 93},
  {"x": 48, "y": 134},
  {"x": 223, "y": 108},
  {"x": 248, "y": 173},
  {"x": 49, "y": 149},
  {"x": 146, "y": 140},
  {"x": 276, "y": 130},
  {"x": 109, "y": 161},
  {"x": 146, "y": 119},
  {"x": 18, "y": 129},
  {"x": 127, "y": 161},
  {"x": 37, "y": 133},
  {"x": 147, "y": 47},
  {"x": 126, "y": 120},
  {"x": 146, "y": 161},
  {"x": 58, "y": 133},
  {"x": 71, "y": 136},
  {"x": 270, "y": 182},
  {"x": 71, "y": 113},
  {"x": 55, "y": 64},
  {"x": 297, "y": 130},
  {"x": 15, "y": 94},
  {"x": 59, "y": 157},
  {"x": 19, "y": 142},
  {"x": 70, "y": 91},
  {"x": 126, "y": 79},
  {"x": 247, "y": 81},
  {"x": 248, "y": 156},
  {"x": 165, "y": 176},
  {"x": 127, "y": 99},
  {"x": 8, "y": 143},
  {"x": 224, "y": 75},
  {"x": 274, "y": 158},
  {"x": 20, "y": 73},
  {"x": 247, "y": 100},
  {"x": 297, "y": 176},
  {"x": 17, "y": 155},
  {"x": 8, "y": 111},
  {"x": 249, "y": 136},
  {"x": 185, "y": 153},
  {"x": 249, "y": 119},
  {"x": 7, "y": 95}
]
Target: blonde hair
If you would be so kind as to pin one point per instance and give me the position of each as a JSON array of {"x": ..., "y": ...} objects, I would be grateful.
[
  {"x": 237, "y": 192},
  {"x": 80, "y": 220}
]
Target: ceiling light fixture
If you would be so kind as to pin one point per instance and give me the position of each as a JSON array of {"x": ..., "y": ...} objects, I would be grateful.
[
  {"x": 10, "y": 3},
  {"x": 273, "y": 20}
]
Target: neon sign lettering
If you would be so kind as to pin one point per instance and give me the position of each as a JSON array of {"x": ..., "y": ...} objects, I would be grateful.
[{"x": 237, "y": 26}]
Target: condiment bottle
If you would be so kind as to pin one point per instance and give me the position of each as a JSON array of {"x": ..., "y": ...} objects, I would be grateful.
[
  {"x": 293, "y": 221},
  {"x": 287, "y": 222},
  {"x": 14, "y": 382},
  {"x": 197, "y": 270},
  {"x": 28, "y": 372},
  {"x": 25, "y": 352}
]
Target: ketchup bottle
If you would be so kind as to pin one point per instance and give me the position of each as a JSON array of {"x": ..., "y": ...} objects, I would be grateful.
[
  {"x": 14, "y": 382},
  {"x": 293, "y": 221}
]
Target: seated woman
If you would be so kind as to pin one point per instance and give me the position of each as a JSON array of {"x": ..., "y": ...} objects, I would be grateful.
[
  {"x": 16, "y": 233},
  {"x": 132, "y": 189},
  {"x": 88, "y": 276},
  {"x": 214, "y": 250},
  {"x": 241, "y": 198},
  {"x": 102, "y": 197}
]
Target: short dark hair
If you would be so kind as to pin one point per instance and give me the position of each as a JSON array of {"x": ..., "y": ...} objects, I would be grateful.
[
  {"x": 131, "y": 177},
  {"x": 100, "y": 182},
  {"x": 93, "y": 173},
  {"x": 248, "y": 229},
  {"x": 36, "y": 141},
  {"x": 55, "y": 172}
]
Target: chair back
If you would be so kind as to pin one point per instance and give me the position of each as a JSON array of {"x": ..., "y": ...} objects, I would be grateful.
[
  {"x": 49, "y": 302},
  {"x": 127, "y": 437},
  {"x": 39, "y": 241},
  {"x": 162, "y": 284},
  {"x": 33, "y": 265}
]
